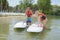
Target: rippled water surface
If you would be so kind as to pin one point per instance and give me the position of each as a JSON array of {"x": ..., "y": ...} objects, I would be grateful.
[{"x": 8, "y": 33}]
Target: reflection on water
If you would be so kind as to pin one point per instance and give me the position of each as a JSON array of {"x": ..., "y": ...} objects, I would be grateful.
[{"x": 8, "y": 33}]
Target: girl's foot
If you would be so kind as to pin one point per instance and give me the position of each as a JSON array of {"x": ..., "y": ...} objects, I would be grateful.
[{"x": 39, "y": 25}]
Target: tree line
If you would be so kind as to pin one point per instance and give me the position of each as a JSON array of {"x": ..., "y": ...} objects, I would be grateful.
[{"x": 44, "y": 5}]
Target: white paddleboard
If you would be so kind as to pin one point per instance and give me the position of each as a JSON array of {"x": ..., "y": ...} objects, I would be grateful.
[
  {"x": 35, "y": 28},
  {"x": 20, "y": 25}
]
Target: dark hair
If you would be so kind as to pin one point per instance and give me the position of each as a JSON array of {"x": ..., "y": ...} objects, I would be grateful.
[{"x": 28, "y": 6}]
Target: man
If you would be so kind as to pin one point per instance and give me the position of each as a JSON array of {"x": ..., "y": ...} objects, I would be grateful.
[
  {"x": 28, "y": 14},
  {"x": 41, "y": 18}
]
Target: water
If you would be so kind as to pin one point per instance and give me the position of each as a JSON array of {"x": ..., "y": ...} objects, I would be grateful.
[{"x": 8, "y": 33}]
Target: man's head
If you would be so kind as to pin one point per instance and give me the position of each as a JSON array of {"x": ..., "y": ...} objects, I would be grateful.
[{"x": 28, "y": 7}]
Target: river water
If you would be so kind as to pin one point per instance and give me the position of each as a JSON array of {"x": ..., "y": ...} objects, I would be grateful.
[{"x": 8, "y": 33}]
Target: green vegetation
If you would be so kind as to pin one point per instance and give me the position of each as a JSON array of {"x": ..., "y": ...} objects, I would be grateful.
[
  {"x": 4, "y": 5},
  {"x": 56, "y": 10},
  {"x": 23, "y": 4},
  {"x": 44, "y": 5}
]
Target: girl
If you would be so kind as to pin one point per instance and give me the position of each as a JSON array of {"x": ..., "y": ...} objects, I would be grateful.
[{"x": 41, "y": 18}]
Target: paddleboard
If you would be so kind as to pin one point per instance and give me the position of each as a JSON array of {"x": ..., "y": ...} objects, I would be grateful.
[
  {"x": 20, "y": 25},
  {"x": 35, "y": 28}
]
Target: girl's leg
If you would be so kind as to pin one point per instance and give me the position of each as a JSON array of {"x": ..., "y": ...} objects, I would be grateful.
[
  {"x": 39, "y": 22},
  {"x": 44, "y": 23}
]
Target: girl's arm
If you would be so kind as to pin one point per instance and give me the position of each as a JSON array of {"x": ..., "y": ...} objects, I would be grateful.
[{"x": 36, "y": 14}]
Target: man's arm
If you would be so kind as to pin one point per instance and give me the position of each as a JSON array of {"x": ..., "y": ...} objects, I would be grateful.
[{"x": 31, "y": 12}]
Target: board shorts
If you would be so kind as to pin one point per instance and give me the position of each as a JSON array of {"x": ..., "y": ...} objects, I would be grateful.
[{"x": 28, "y": 19}]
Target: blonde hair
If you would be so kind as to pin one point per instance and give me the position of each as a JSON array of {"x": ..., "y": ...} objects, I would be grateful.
[
  {"x": 37, "y": 12},
  {"x": 40, "y": 11}
]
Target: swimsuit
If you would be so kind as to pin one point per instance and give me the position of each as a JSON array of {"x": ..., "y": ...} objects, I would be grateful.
[{"x": 43, "y": 16}]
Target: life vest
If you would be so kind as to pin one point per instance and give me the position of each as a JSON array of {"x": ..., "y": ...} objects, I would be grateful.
[{"x": 28, "y": 13}]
